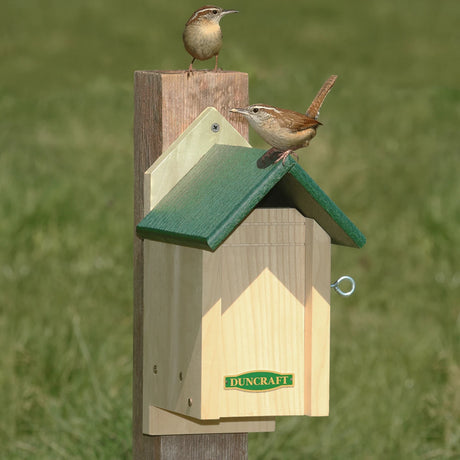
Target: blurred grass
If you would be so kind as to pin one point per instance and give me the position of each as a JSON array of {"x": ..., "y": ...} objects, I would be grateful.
[{"x": 388, "y": 155}]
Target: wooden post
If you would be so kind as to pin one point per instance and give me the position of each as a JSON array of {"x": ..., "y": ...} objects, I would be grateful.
[{"x": 165, "y": 103}]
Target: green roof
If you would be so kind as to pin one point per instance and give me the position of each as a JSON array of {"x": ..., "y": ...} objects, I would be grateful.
[{"x": 225, "y": 185}]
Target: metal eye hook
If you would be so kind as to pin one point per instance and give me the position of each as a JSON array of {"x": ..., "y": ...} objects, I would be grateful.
[{"x": 337, "y": 288}]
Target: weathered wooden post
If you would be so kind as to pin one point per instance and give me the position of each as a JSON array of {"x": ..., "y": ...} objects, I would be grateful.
[{"x": 165, "y": 103}]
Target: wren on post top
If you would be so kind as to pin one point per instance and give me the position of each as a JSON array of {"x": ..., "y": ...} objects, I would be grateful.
[
  {"x": 202, "y": 35},
  {"x": 286, "y": 130}
]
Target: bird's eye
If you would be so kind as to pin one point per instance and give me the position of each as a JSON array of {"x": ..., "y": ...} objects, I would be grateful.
[
  {"x": 214, "y": 11},
  {"x": 255, "y": 110}
]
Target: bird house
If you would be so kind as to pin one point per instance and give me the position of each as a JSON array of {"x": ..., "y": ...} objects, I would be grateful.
[{"x": 236, "y": 280}]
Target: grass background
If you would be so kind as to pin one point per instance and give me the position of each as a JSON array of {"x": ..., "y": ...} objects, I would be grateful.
[{"x": 388, "y": 155}]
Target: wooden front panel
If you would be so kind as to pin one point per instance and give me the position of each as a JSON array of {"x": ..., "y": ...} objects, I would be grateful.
[{"x": 263, "y": 310}]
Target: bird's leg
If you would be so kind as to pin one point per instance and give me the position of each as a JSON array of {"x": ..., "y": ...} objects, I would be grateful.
[
  {"x": 285, "y": 154},
  {"x": 215, "y": 67},
  {"x": 190, "y": 68}
]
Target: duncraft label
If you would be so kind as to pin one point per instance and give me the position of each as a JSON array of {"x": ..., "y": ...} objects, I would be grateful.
[{"x": 258, "y": 381}]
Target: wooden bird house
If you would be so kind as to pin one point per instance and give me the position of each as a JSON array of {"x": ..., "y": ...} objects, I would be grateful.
[{"x": 236, "y": 281}]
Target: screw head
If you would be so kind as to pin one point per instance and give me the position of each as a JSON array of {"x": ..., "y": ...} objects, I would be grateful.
[{"x": 215, "y": 127}]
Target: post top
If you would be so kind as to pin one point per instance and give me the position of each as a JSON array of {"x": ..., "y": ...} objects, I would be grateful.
[{"x": 195, "y": 72}]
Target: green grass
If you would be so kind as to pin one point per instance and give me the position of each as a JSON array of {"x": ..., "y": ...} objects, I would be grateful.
[{"x": 388, "y": 155}]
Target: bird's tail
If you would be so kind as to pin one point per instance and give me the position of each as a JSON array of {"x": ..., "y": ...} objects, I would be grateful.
[{"x": 313, "y": 110}]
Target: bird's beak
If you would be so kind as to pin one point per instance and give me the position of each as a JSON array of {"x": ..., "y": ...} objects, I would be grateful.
[
  {"x": 236, "y": 110},
  {"x": 228, "y": 12}
]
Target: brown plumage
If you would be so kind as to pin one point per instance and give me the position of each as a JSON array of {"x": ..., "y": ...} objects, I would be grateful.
[
  {"x": 286, "y": 130},
  {"x": 315, "y": 106},
  {"x": 296, "y": 121}
]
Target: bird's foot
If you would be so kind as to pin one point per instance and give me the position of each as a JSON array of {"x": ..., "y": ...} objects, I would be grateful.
[
  {"x": 285, "y": 154},
  {"x": 189, "y": 71}
]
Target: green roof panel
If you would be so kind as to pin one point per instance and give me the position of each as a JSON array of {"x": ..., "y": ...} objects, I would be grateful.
[{"x": 224, "y": 186}]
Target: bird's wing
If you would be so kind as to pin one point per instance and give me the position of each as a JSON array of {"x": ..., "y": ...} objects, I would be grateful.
[
  {"x": 295, "y": 121},
  {"x": 313, "y": 110}
]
